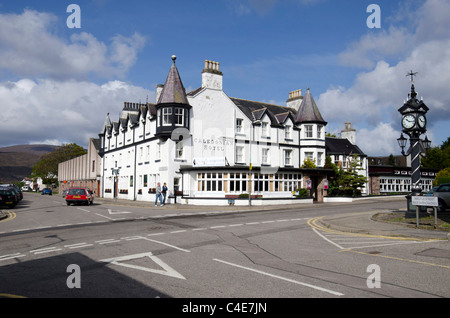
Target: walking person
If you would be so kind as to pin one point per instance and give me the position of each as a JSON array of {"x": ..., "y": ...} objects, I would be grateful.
[
  {"x": 164, "y": 192},
  {"x": 158, "y": 195}
]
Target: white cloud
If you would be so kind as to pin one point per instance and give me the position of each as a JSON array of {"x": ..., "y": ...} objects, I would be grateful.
[
  {"x": 385, "y": 142},
  {"x": 375, "y": 96},
  {"x": 29, "y": 47},
  {"x": 373, "y": 46},
  {"x": 61, "y": 111}
]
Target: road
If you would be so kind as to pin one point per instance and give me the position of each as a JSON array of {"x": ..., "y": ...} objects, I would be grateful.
[{"x": 48, "y": 249}]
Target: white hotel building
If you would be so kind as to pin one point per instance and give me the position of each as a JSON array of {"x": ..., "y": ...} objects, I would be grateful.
[{"x": 204, "y": 143}]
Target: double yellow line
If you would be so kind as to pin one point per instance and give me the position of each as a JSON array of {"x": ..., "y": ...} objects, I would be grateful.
[
  {"x": 11, "y": 216},
  {"x": 314, "y": 224}
]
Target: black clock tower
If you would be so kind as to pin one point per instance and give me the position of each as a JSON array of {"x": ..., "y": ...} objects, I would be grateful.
[{"x": 414, "y": 124}]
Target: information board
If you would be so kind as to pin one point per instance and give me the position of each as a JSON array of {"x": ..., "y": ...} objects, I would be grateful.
[{"x": 424, "y": 201}]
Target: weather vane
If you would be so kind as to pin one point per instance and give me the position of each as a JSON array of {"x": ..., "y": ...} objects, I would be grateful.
[{"x": 412, "y": 74}]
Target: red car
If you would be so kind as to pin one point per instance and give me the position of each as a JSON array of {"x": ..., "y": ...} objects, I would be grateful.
[{"x": 79, "y": 195}]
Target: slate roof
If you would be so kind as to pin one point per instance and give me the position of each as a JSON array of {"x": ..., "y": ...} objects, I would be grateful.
[
  {"x": 139, "y": 111},
  {"x": 342, "y": 146},
  {"x": 173, "y": 90},
  {"x": 308, "y": 111},
  {"x": 256, "y": 110},
  {"x": 107, "y": 125}
]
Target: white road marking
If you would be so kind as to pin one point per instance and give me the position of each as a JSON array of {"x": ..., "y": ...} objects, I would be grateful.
[
  {"x": 46, "y": 250},
  {"x": 83, "y": 210},
  {"x": 78, "y": 245},
  {"x": 117, "y": 212},
  {"x": 173, "y": 246},
  {"x": 131, "y": 238},
  {"x": 326, "y": 239},
  {"x": 11, "y": 256},
  {"x": 167, "y": 270},
  {"x": 281, "y": 278}
]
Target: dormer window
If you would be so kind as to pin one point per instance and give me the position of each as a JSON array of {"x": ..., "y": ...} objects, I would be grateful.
[
  {"x": 264, "y": 129},
  {"x": 287, "y": 132}
]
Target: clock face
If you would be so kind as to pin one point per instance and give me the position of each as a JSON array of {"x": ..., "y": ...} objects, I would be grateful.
[
  {"x": 421, "y": 120},
  {"x": 408, "y": 121}
]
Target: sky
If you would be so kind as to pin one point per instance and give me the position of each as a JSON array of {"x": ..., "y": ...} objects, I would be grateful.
[{"x": 57, "y": 82}]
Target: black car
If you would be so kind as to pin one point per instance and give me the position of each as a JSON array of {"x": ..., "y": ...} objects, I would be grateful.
[
  {"x": 18, "y": 193},
  {"x": 443, "y": 194},
  {"x": 8, "y": 198}
]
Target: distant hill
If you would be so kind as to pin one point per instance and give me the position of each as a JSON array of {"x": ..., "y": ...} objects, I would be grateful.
[{"x": 16, "y": 162}]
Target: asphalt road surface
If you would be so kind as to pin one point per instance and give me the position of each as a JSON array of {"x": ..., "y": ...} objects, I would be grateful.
[{"x": 50, "y": 250}]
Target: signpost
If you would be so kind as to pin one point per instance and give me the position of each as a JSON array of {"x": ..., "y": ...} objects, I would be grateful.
[{"x": 425, "y": 201}]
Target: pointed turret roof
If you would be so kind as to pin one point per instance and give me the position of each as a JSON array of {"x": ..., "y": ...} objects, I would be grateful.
[
  {"x": 308, "y": 111},
  {"x": 173, "y": 91},
  {"x": 107, "y": 125}
]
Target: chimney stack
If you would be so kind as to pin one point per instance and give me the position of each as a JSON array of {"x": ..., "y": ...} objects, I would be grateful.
[
  {"x": 211, "y": 75},
  {"x": 295, "y": 99},
  {"x": 349, "y": 133},
  {"x": 159, "y": 89}
]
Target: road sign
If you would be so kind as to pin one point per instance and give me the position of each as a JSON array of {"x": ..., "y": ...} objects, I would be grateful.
[{"x": 424, "y": 201}]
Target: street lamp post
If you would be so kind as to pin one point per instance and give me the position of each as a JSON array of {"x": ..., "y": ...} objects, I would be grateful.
[{"x": 414, "y": 124}]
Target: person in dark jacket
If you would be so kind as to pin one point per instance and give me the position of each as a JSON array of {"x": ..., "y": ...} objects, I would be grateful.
[{"x": 164, "y": 193}]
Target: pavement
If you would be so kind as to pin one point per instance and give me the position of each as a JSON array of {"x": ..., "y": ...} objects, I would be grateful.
[{"x": 360, "y": 222}]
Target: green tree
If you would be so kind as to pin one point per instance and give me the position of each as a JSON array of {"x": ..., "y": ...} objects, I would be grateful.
[
  {"x": 442, "y": 176},
  {"x": 47, "y": 166},
  {"x": 309, "y": 163},
  {"x": 349, "y": 182},
  {"x": 333, "y": 188},
  {"x": 438, "y": 157}
]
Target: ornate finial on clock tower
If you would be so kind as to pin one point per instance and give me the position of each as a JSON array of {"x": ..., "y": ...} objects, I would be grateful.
[{"x": 412, "y": 74}]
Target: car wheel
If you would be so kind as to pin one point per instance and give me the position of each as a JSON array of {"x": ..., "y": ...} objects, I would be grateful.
[{"x": 67, "y": 202}]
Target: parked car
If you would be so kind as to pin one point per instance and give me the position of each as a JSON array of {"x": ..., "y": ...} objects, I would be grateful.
[
  {"x": 26, "y": 188},
  {"x": 443, "y": 194},
  {"x": 17, "y": 193},
  {"x": 430, "y": 192},
  {"x": 8, "y": 198},
  {"x": 79, "y": 195},
  {"x": 46, "y": 191}
]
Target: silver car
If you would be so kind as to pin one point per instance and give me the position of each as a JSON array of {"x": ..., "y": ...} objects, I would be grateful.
[{"x": 443, "y": 194}]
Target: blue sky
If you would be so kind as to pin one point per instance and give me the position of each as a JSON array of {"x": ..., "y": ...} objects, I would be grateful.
[{"x": 59, "y": 83}]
